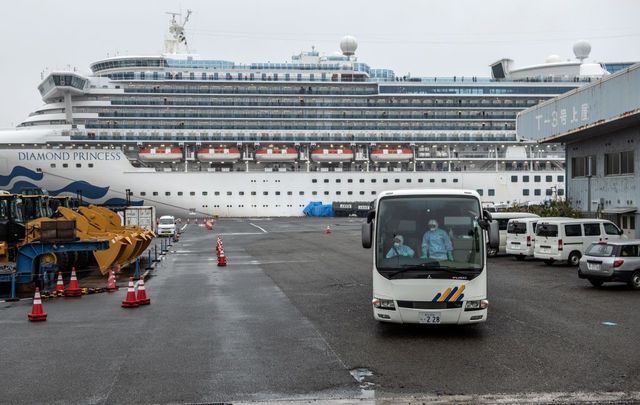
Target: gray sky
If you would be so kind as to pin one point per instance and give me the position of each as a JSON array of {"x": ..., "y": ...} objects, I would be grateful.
[{"x": 424, "y": 38}]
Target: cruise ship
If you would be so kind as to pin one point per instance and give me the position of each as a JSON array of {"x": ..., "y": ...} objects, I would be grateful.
[{"x": 199, "y": 136}]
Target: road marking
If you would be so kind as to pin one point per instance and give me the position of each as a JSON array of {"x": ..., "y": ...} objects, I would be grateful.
[
  {"x": 259, "y": 227},
  {"x": 183, "y": 228},
  {"x": 607, "y": 323},
  {"x": 240, "y": 233}
]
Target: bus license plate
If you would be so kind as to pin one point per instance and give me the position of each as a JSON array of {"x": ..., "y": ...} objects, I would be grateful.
[{"x": 429, "y": 317}]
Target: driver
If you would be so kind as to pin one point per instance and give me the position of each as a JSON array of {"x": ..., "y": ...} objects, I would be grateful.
[
  {"x": 399, "y": 248},
  {"x": 436, "y": 243}
]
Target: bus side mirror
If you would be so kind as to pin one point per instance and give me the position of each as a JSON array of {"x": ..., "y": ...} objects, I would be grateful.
[
  {"x": 367, "y": 233},
  {"x": 494, "y": 235},
  {"x": 371, "y": 215}
]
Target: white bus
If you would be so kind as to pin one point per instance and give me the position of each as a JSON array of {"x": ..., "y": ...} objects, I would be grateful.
[{"x": 429, "y": 256}]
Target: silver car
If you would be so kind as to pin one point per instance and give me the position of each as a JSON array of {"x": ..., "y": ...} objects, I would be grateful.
[{"x": 617, "y": 260}]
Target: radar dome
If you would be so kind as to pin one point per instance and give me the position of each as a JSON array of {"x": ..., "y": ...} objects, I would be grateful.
[
  {"x": 581, "y": 49},
  {"x": 348, "y": 45},
  {"x": 553, "y": 59}
]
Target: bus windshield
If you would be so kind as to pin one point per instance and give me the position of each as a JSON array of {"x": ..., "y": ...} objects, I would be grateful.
[{"x": 429, "y": 237}]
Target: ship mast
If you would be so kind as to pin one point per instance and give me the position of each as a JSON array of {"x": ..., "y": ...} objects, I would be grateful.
[{"x": 176, "y": 33}]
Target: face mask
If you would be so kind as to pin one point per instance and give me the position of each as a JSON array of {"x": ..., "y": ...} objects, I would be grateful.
[
  {"x": 396, "y": 244},
  {"x": 432, "y": 227}
]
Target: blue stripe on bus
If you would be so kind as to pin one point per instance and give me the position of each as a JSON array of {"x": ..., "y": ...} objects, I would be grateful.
[
  {"x": 436, "y": 297},
  {"x": 451, "y": 294}
]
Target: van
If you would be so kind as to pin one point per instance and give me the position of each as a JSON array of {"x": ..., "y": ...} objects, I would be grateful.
[
  {"x": 521, "y": 235},
  {"x": 167, "y": 226},
  {"x": 503, "y": 220},
  {"x": 567, "y": 239}
]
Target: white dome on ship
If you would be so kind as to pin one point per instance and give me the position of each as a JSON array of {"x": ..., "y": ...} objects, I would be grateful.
[
  {"x": 581, "y": 49},
  {"x": 348, "y": 45},
  {"x": 553, "y": 59}
]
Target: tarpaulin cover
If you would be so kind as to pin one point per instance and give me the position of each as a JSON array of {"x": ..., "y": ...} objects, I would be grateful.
[{"x": 317, "y": 209}]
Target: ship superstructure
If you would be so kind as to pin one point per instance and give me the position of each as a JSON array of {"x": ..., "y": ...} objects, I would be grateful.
[{"x": 196, "y": 135}]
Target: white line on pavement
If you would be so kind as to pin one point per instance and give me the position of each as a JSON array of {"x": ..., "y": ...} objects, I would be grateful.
[{"x": 259, "y": 227}]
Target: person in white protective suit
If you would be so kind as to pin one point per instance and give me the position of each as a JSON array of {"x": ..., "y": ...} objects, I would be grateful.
[
  {"x": 436, "y": 243},
  {"x": 399, "y": 248}
]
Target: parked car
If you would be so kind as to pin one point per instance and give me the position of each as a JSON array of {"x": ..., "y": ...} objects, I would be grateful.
[
  {"x": 607, "y": 261},
  {"x": 503, "y": 219},
  {"x": 567, "y": 239}
]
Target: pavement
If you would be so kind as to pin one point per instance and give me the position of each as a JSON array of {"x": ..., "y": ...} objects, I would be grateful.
[{"x": 289, "y": 320}]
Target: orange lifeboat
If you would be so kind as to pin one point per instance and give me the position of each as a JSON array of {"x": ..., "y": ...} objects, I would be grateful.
[
  {"x": 391, "y": 155},
  {"x": 218, "y": 154},
  {"x": 332, "y": 155},
  {"x": 276, "y": 155},
  {"x": 160, "y": 154}
]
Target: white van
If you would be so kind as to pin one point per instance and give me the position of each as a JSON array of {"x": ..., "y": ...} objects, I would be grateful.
[
  {"x": 521, "y": 235},
  {"x": 503, "y": 220},
  {"x": 567, "y": 239},
  {"x": 167, "y": 226}
]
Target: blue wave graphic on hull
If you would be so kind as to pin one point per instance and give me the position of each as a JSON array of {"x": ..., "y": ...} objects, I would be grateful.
[
  {"x": 121, "y": 201},
  {"x": 87, "y": 190},
  {"x": 20, "y": 171}
]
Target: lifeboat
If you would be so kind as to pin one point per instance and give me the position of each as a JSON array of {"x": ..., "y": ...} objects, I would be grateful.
[
  {"x": 391, "y": 155},
  {"x": 332, "y": 155},
  {"x": 276, "y": 155},
  {"x": 160, "y": 154},
  {"x": 219, "y": 154}
]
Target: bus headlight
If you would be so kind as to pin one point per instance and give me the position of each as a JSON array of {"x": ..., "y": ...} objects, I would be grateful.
[
  {"x": 383, "y": 304},
  {"x": 476, "y": 305}
]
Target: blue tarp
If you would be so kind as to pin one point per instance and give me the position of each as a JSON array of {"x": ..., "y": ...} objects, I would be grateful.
[{"x": 317, "y": 209}]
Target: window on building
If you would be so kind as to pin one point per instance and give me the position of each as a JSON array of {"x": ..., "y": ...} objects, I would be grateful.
[
  {"x": 537, "y": 191},
  {"x": 580, "y": 166},
  {"x": 525, "y": 191},
  {"x": 593, "y": 170},
  {"x": 525, "y": 179},
  {"x": 480, "y": 191},
  {"x": 548, "y": 178},
  {"x": 560, "y": 192},
  {"x": 618, "y": 163},
  {"x": 548, "y": 192},
  {"x": 514, "y": 179},
  {"x": 536, "y": 179},
  {"x": 491, "y": 192}
]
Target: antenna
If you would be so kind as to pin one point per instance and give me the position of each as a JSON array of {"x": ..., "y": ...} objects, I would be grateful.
[{"x": 176, "y": 32}]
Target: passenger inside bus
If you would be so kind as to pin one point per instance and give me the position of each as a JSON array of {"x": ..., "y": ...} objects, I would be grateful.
[
  {"x": 399, "y": 248},
  {"x": 436, "y": 243}
]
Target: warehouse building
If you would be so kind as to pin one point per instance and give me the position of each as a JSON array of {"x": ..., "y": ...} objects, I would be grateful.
[{"x": 600, "y": 127}]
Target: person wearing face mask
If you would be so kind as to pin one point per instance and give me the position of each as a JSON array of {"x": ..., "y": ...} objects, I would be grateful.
[
  {"x": 436, "y": 243},
  {"x": 399, "y": 248}
]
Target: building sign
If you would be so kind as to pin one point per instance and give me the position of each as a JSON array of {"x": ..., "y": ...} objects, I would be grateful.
[{"x": 563, "y": 118}]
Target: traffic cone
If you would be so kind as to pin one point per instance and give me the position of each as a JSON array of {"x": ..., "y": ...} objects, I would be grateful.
[
  {"x": 73, "y": 290},
  {"x": 37, "y": 311},
  {"x": 142, "y": 294},
  {"x": 222, "y": 259},
  {"x": 209, "y": 226},
  {"x": 111, "y": 282},
  {"x": 59, "y": 285},
  {"x": 328, "y": 230},
  {"x": 130, "y": 301}
]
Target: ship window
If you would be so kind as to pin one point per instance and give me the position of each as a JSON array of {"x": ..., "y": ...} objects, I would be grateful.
[
  {"x": 349, "y": 180},
  {"x": 301, "y": 193},
  {"x": 408, "y": 180},
  {"x": 314, "y": 180},
  {"x": 397, "y": 180},
  {"x": 179, "y": 192},
  {"x": 338, "y": 192},
  {"x": 216, "y": 193},
  {"x": 253, "y": 193},
  {"x": 514, "y": 179},
  {"x": 385, "y": 180},
  {"x": 338, "y": 181},
  {"x": 192, "y": 193},
  {"x": 537, "y": 191},
  {"x": 143, "y": 193},
  {"x": 361, "y": 180},
  {"x": 229, "y": 193},
  {"x": 326, "y": 193},
  {"x": 560, "y": 178},
  {"x": 420, "y": 180},
  {"x": 536, "y": 179},
  {"x": 373, "y": 180},
  {"x": 480, "y": 191},
  {"x": 349, "y": 192},
  {"x": 289, "y": 193},
  {"x": 314, "y": 193},
  {"x": 443, "y": 180},
  {"x": 525, "y": 192},
  {"x": 155, "y": 193},
  {"x": 561, "y": 193},
  {"x": 204, "y": 193},
  {"x": 167, "y": 193},
  {"x": 240, "y": 192},
  {"x": 373, "y": 192},
  {"x": 90, "y": 164},
  {"x": 65, "y": 165},
  {"x": 432, "y": 180},
  {"x": 491, "y": 192},
  {"x": 455, "y": 180},
  {"x": 549, "y": 192},
  {"x": 277, "y": 193},
  {"x": 525, "y": 179},
  {"x": 549, "y": 178},
  {"x": 326, "y": 180},
  {"x": 53, "y": 165},
  {"x": 265, "y": 193}
]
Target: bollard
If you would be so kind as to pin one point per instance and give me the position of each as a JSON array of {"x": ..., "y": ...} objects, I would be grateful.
[
  {"x": 13, "y": 288},
  {"x": 136, "y": 274},
  {"x": 149, "y": 266}
]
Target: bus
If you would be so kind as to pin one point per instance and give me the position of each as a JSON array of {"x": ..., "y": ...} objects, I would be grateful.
[{"x": 429, "y": 256}]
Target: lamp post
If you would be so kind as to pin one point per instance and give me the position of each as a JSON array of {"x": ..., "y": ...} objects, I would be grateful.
[{"x": 127, "y": 199}]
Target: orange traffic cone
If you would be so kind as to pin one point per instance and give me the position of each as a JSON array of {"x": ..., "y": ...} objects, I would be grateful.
[
  {"x": 111, "y": 282},
  {"x": 74, "y": 289},
  {"x": 59, "y": 284},
  {"x": 209, "y": 226},
  {"x": 37, "y": 311},
  {"x": 130, "y": 301},
  {"x": 142, "y": 294},
  {"x": 328, "y": 230},
  {"x": 222, "y": 259}
]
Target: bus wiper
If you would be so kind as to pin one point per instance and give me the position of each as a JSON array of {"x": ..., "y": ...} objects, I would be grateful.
[{"x": 428, "y": 266}]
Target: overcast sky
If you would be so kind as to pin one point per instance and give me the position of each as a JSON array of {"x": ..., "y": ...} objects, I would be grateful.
[{"x": 423, "y": 38}]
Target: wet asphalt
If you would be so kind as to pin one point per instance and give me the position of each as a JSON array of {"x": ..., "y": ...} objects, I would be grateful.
[{"x": 290, "y": 318}]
